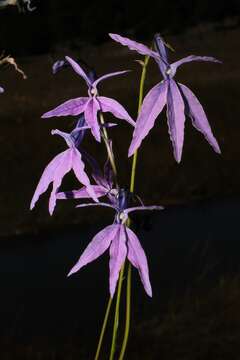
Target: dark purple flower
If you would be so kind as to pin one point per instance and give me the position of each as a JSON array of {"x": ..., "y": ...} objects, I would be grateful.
[
  {"x": 121, "y": 241},
  {"x": 92, "y": 104},
  {"x": 178, "y": 98},
  {"x": 70, "y": 159}
]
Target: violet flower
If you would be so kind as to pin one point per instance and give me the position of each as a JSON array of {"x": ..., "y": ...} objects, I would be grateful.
[
  {"x": 70, "y": 159},
  {"x": 178, "y": 98},
  {"x": 104, "y": 183},
  {"x": 92, "y": 104},
  {"x": 121, "y": 241}
]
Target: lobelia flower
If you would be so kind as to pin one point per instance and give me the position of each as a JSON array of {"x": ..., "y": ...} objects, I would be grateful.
[
  {"x": 92, "y": 104},
  {"x": 69, "y": 159},
  {"x": 121, "y": 241},
  {"x": 104, "y": 183},
  {"x": 178, "y": 98}
]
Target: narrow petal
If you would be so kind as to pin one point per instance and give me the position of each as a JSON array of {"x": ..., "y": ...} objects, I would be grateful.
[
  {"x": 96, "y": 247},
  {"x": 46, "y": 178},
  {"x": 153, "y": 104},
  {"x": 133, "y": 45},
  {"x": 104, "y": 77},
  {"x": 77, "y": 68},
  {"x": 112, "y": 106},
  {"x": 163, "y": 60},
  {"x": 118, "y": 252},
  {"x": 199, "y": 119},
  {"x": 191, "y": 58},
  {"x": 61, "y": 170},
  {"x": 78, "y": 168},
  {"x": 137, "y": 257},
  {"x": 91, "y": 110},
  {"x": 96, "y": 204},
  {"x": 176, "y": 119},
  {"x": 71, "y": 107},
  {"x": 82, "y": 193},
  {"x": 142, "y": 208}
]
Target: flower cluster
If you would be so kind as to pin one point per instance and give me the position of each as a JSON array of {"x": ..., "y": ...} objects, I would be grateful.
[{"x": 122, "y": 242}]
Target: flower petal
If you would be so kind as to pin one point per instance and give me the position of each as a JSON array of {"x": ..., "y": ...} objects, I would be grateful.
[
  {"x": 191, "y": 58},
  {"x": 137, "y": 257},
  {"x": 1, "y": 90},
  {"x": 47, "y": 177},
  {"x": 176, "y": 118},
  {"x": 112, "y": 106},
  {"x": 104, "y": 77},
  {"x": 91, "y": 110},
  {"x": 133, "y": 45},
  {"x": 199, "y": 119},
  {"x": 96, "y": 247},
  {"x": 78, "y": 168},
  {"x": 96, "y": 204},
  {"x": 77, "y": 68},
  {"x": 142, "y": 208},
  {"x": 118, "y": 252},
  {"x": 163, "y": 60},
  {"x": 62, "y": 169},
  {"x": 153, "y": 104},
  {"x": 71, "y": 107},
  {"x": 82, "y": 193}
]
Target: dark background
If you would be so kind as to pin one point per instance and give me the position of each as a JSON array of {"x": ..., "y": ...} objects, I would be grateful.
[{"x": 192, "y": 246}]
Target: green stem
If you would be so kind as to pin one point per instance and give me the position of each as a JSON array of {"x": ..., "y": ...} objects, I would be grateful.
[
  {"x": 110, "y": 153},
  {"x": 128, "y": 297},
  {"x": 116, "y": 317},
  {"x": 103, "y": 329},
  {"x": 108, "y": 147},
  {"x": 132, "y": 186}
]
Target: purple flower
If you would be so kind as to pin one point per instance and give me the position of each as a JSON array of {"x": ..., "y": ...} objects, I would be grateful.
[
  {"x": 70, "y": 159},
  {"x": 178, "y": 98},
  {"x": 121, "y": 241},
  {"x": 103, "y": 180},
  {"x": 1, "y": 90},
  {"x": 92, "y": 104}
]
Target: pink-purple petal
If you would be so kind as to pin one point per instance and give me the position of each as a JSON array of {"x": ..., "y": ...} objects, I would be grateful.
[
  {"x": 96, "y": 247},
  {"x": 77, "y": 68},
  {"x": 90, "y": 113},
  {"x": 71, "y": 107},
  {"x": 82, "y": 193},
  {"x": 112, "y": 106},
  {"x": 191, "y": 58},
  {"x": 47, "y": 177},
  {"x": 152, "y": 106},
  {"x": 142, "y": 208},
  {"x": 78, "y": 168},
  {"x": 62, "y": 169},
  {"x": 138, "y": 259},
  {"x": 104, "y": 77},
  {"x": 133, "y": 45},
  {"x": 199, "y": 119},
  {"x": 118, "y": 252},
  {"x": 176, "y": 118}
]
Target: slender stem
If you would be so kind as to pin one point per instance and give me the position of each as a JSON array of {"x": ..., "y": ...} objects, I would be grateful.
[
  {"x": 128, "y": 297},
  {"x": 114, "y": 168},
  {"x": 132, "y": 186},
  {"x": 103, "y": 328},
  {"x": 108, "y": 147},
  {"x": 116, "y": 317}
]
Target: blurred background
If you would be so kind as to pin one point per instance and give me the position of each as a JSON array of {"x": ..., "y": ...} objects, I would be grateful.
[{"x": 192, "y": 246}]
